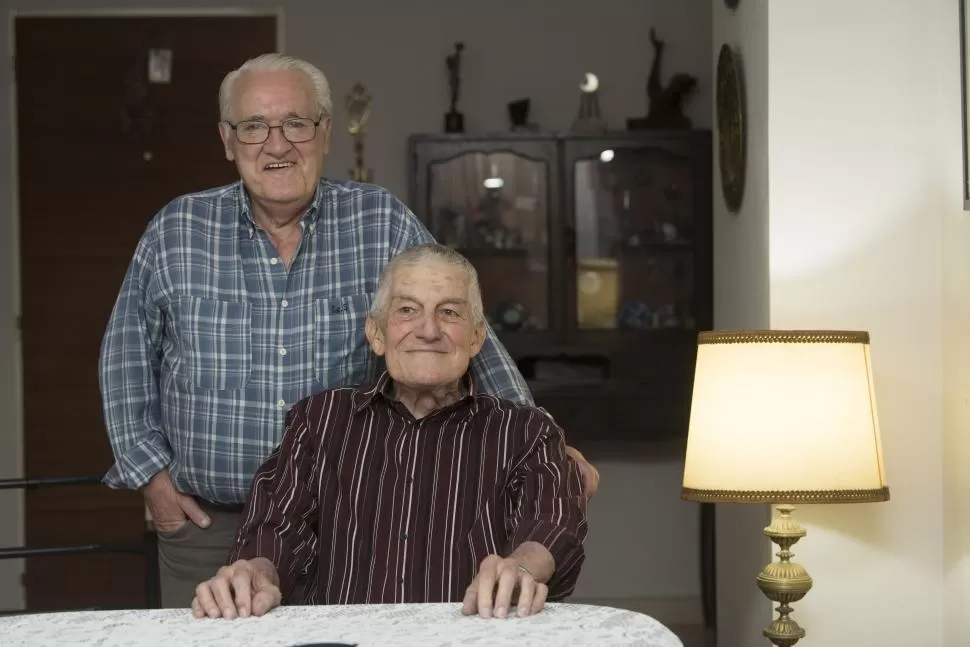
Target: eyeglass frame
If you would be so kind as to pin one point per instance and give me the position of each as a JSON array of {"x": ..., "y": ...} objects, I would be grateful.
[{"x": 269, "y": 129}]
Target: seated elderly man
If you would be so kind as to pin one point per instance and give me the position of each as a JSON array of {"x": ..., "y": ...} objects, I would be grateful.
[{"x": 416, "y": 489}]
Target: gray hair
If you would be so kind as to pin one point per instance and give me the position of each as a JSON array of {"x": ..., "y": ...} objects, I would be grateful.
[
  {"x": 281, "y": 62},
  {"x": 424, "y": 253}
]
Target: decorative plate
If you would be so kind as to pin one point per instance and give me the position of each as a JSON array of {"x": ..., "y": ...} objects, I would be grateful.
[{"x": 731, "y": 133}]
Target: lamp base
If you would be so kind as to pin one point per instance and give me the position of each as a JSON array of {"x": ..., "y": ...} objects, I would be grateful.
[{"x": 784, "y": 581}]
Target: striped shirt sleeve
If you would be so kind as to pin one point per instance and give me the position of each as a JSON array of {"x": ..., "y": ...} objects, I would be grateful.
[
  {"x": 128, "y": 375},
  {"x": 494, "y": 370},
  {"x": 551, "y": 507},
  {"x": 281, "y": 514}
]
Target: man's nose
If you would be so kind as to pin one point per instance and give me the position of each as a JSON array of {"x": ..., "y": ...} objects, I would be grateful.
[
  {"x": 276, "y": 142},
  {"x": 429, "y": 328}
]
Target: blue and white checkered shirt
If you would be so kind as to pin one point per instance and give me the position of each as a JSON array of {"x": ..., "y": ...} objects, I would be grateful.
[{"x": 212, "y": 339}]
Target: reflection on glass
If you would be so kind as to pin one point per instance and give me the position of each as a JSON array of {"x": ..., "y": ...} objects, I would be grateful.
[
  {"x": 634, "y": 234},
  {"x": 492, "y": 207}
]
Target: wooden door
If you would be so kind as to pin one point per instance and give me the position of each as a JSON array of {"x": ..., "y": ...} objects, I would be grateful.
[{"x": 100, "y": 150}]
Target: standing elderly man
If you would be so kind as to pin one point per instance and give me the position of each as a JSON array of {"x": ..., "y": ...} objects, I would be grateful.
[
  {"x": 418, "y": 488},
  {"x": 240, "y": 301}
]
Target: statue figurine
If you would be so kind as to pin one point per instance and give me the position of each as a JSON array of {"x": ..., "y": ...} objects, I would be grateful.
[
  {"x": 454, "y": 120},
  {"x": 666, "y": 103},
  {"x": 357, "y": 104}
]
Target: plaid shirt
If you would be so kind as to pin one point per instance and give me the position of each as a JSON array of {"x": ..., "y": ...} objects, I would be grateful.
[{"x": 212, "y": 339}]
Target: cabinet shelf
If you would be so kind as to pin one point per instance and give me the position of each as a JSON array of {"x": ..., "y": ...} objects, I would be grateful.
[{"x": 582, "y": 260}]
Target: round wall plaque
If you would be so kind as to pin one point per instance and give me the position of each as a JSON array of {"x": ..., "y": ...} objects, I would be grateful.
[{"x": 731, "y": 134}]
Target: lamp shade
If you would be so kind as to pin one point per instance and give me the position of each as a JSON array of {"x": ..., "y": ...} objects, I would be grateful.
[{"x": 784, "y": 417}]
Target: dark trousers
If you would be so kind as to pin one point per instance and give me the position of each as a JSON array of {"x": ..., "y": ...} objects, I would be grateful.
[{"x": 191, "y": 555}]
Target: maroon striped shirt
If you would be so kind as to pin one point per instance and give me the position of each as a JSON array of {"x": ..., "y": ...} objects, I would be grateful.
[{"x": 362, "y": 503}]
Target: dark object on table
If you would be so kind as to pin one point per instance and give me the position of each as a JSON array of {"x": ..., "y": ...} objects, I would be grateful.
[
  {"x": 454, "y": 120},
  {"x": 731, "y": 145},
  {"x": 519, "y": 116},
  {"x": 666, "y": 103}
]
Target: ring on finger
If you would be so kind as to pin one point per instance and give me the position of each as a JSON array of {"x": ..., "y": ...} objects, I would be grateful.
[{"x": 523, "y": 569}]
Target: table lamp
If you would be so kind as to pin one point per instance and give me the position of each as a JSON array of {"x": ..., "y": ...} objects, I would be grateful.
[{"x": 784, "y": 417}]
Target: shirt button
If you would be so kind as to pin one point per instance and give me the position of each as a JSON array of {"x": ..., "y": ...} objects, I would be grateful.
[
  {"x": 404, "y": 536},
  {"x": 281, "y": 404},
  {"x": 401, "y": 579},
  {"x": 274, "y": 261},
  {"x": 284, "y": 303},
  {"x": 282, "y": 351},
  {"x": 409, "y": 480}
]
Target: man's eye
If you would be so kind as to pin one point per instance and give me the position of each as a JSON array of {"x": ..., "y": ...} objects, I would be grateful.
[
  {"x": 448, "y": 312},
  {"x": 405, "y": 310}
]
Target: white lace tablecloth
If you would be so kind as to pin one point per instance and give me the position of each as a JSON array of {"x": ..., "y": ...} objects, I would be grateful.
[{"x": 420, "y": 625}]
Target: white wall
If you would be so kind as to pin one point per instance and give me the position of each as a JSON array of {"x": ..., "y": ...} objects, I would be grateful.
[
  {"x": 513, "y": 49},
  {"x": 741, "y": 301},
  {"x": 863, "y": 150}
]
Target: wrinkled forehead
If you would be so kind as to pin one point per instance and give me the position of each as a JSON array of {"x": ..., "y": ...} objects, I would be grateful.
[
  {"x": 431, "y": 280},
  {"x": 273, "y": 94}
]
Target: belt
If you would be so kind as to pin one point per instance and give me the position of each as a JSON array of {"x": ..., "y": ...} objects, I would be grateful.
[{"x": 232, "y": 508}]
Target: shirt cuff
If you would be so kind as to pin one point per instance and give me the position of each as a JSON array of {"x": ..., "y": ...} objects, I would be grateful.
[
  {"x": 566, "y": 548},
  {"x": 139, "y": 463}
]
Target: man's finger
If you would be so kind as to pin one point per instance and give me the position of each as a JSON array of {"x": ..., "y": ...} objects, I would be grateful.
[
  {"x": 203, "y": 593},
  {"x": 508, "y": 578},
  {"x": 242, "y": 586},
  {"x": 267, "y": 596},
  {"x": 539, "y": 599},
  {"x": 197, "y": 609},
  {"x": 470, "y": 603},
  {"x": 527, "y": 591},
  {"x": 192, "y": 510},
  {"x": 485, "y": 593},
  {"x": 223, "y": 596}
]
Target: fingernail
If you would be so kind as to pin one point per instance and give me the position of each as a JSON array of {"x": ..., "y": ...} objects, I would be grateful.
[
  {"x": 501, "y": 611},
  {"x": 227, "y": 612},
  {"x": 205, "y": 522}
]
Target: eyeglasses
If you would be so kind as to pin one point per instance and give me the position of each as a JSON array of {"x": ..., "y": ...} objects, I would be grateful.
[{"x": 296, "y": 130}]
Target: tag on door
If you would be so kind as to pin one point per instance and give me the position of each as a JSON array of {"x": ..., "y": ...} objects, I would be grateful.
[{"x": 159, "y": 66}]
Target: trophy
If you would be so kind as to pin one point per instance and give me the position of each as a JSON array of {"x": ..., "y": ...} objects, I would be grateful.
[
  {"x": 589, "y": 121},
  {"x": 454, "y": 120},
  {"x": 357, "y": 104}
]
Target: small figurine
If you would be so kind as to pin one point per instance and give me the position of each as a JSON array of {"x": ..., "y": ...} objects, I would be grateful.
[
  {"x": 454, "y": 120},
  {"x": 666, "y": 103}
]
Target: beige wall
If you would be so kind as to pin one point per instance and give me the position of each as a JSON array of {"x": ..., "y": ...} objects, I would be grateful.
[
  {"x": 866, "y": 231},
  {"x": 741, "y": 301},
  {"x": 643, "y": 543}
]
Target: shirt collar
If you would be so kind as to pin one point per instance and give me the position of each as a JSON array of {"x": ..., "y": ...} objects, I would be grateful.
[
  {"x": 384, "y": 388},
  {"x": 247, "y": 222}
]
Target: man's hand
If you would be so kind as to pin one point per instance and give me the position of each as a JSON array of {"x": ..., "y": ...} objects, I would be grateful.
[
  {"x": 590, "y": 475},
  {"x": 169, "y": 507},
  {"x": 521, "y": 576},
  {"x": 249, "y": 586}
]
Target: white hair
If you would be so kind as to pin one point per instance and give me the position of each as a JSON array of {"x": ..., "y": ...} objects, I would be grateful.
[
  {"x": 280, "y": 62},
  {"x": 424, "y": 253}
]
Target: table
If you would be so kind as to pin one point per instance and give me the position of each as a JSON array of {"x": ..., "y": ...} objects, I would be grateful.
[{"x": 392, "y": 625}]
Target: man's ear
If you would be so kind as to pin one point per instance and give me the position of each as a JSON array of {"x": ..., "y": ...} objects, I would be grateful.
[
  {"x": 226, "y": 141},
  {"x": 479, "y": 333},
  {"x": 375, "y": 336}
]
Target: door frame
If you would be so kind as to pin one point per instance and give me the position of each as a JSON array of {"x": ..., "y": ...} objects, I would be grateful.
[{"x": 14, "y": 597}]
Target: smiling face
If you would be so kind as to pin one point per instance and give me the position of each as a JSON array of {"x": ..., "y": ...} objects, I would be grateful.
[
  {"x": 277, "y": 173},
  {"x": 428, "y": 335}
]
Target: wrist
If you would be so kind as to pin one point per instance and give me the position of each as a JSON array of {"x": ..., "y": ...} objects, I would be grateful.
[{"x": 535, "y": 559}]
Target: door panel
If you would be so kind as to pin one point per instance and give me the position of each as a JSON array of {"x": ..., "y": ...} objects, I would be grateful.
[{"x": 100, "y": 151}]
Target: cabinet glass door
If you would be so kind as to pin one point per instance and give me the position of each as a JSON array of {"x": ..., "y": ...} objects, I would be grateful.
[
  {"x": 634, "y": 240},
  {"x": 493, "y": 208}
]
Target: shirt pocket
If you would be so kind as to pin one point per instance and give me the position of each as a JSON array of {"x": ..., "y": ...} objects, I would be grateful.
[
  {"x": 341, "y": 354},
  {"x": 216, "y": 342}
]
